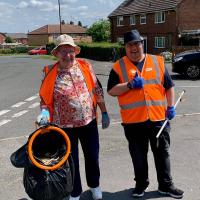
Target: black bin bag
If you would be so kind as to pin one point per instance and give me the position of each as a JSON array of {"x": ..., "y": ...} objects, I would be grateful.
[{"x": 43, "y": 184}]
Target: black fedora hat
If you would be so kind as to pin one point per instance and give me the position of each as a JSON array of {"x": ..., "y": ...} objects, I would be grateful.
[{"x": 132, "y": 36}]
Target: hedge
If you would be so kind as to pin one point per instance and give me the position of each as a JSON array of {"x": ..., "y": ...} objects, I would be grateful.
[
  {"x": 16, "y": 50},
  {"x": 101, "y": 51}
]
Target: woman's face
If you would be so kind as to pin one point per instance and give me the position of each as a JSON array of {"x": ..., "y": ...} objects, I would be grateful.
[
  {"x": 134, "y": 51},
  {"x": 66, "y": 55}
]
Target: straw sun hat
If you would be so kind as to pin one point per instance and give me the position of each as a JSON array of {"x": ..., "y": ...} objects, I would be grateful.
[{"x": 65, "y": 40}]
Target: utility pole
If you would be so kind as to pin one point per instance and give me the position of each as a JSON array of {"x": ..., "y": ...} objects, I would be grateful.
[{"x": 60, "y": 17}]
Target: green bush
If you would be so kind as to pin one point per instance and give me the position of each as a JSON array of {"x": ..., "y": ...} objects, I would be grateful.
[
  {"x": 6, "y": 51},
  {"x": 101, "y": 51},
  {"x": 22, "y": 49},
  {"x": 50, "y": 47}
]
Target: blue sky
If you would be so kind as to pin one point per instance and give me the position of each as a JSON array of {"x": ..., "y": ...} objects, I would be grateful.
[{"x": 21, "y": 16}]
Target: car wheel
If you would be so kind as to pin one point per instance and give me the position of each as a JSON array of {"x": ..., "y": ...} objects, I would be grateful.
[{"x": 193, "y": 71}]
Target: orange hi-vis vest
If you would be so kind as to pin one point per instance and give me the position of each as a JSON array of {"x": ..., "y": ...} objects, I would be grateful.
[
  {"x": 147, "y": 103},
  {"x": 47, "y": 86}
]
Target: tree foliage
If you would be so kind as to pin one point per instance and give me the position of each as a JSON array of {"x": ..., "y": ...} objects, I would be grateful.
[
  {"x": 8, "y": 40},
  {"x": 100, "y": 30},
  {"x": 79, "y": 23}
]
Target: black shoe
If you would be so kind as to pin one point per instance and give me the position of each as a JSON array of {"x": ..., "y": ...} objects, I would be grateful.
[
  {"x": 172, "y": 191},
  {"x": 138, "y": 191}
]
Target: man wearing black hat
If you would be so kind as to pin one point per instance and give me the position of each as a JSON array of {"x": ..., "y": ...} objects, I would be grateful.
[{"x": 145, "y": 93}]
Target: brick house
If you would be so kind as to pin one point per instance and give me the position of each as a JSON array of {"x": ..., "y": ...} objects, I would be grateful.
[
  {"x": 18, "y": 37},
  {"x": 2, "y": 37},
  {"x": 49, "y": 33},
  {"x": 164, "y": 24}
]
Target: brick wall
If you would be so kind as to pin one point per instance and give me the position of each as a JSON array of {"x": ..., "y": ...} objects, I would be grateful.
[
  {"x": 37, "y": 40},
  {"x": 149, "y": 30},
  {"x": 189, "y": 15},
  {"x": 40, "y": 40},
  {"x": 2, "y": 38}
]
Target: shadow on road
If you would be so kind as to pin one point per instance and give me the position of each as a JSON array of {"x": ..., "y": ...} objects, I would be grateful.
[{"x": 122, "y": 195}]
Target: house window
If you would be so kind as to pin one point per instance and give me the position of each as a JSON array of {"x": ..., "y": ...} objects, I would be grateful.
[
  {"x": 132, "y": 20},
  {"x": 142, "y": 19},
  {"x": 120, "y": 21},
  {"x": 160, "y": 42},
  {"x": 159, "y": 17}
]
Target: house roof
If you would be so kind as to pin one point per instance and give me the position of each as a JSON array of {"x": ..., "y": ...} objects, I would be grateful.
[
  {"x": 144, "y": 6},
  {"x": 16, "y": 35},
  {"x": 55, "y": 29},
  {"x": 3, "y": 34}
]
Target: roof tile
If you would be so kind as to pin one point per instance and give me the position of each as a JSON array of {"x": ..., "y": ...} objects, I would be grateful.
[{"x": 143, "y": 6}]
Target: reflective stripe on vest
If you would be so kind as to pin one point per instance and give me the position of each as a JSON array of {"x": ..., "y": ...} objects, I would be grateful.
[
  {"x": 142, "y": 103},
  {"x": 149, "y": 102}
]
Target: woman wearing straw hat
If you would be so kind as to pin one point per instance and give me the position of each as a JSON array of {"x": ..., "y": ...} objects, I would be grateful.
[{"x": 70, "y": 93}]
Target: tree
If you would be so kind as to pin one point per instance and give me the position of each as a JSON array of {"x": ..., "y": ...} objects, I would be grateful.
[
  {"x": 79, "y": 23},
  {"x": 63, "y": 22},
  {"x": 100, "y": 30},
  {"x": 8, "y": 40}
]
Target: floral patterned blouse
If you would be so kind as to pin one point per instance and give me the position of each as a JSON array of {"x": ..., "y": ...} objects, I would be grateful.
[{"x": 73, "y": 105}]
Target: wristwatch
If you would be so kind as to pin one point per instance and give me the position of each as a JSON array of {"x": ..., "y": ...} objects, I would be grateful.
[{"x": 129, "y": 85}]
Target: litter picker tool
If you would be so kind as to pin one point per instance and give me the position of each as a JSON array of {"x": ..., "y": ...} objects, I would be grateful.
[{"x": 165, "y": 122}]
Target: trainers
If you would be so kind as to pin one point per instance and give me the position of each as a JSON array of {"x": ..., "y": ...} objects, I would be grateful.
[
  {"x": 139, "y": 191},
  {"x": 74, "y": 198},
  {"x": 96, "y": 193},
  {"x": 172, "y": 191}
]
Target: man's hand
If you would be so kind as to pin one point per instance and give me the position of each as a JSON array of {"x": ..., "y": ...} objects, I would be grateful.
[
  {"x": 136, "y": 82},
  {"x": 105, "y": 120},
  {"x": 44, "y": 117},
  {"x": 170, "y": 112}
]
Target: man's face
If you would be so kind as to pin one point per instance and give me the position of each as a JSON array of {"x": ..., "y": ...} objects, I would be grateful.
[
  {"x": 66, "y": 54},
  {"x": 134, "y": 51}
]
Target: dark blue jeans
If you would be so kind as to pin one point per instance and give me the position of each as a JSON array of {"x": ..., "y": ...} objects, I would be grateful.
[
  {"x": 89, "y": 138},
  {"x": 139, "y": 136}
]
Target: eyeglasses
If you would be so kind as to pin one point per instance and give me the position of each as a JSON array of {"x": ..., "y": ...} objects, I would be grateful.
[{"x": 64, "y": 50}]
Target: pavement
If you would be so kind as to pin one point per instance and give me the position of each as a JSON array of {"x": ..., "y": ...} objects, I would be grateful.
[{"x": 117, "y": 175}]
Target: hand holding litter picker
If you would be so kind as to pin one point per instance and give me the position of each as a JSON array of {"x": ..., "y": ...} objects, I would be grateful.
[{"x": 164, "y": 124}]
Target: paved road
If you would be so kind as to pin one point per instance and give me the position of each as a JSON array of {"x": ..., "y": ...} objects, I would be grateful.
[{"x": 19, "y": 106}]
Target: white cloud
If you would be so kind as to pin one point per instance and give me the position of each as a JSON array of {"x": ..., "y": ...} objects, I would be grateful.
[
  {"x": 110, "y": 3},
  {"x": 6, "y": 10},
  {"x": 68, "y": 1},
  {"x": 40, "y": 5},
  {"x": 82, "y": 8},
  {"x": 22, "y": 4}
]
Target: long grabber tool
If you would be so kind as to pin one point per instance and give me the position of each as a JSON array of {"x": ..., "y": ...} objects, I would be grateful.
[{"x": 165, "y": 122}]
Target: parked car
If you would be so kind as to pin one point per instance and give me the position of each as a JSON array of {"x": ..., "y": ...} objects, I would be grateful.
[
  {"x": 38, "y": 51},
  {"x": 187, "y": 63}
]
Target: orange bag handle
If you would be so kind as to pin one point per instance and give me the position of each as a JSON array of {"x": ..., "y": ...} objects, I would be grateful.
[{"x": 42, "y": 131}]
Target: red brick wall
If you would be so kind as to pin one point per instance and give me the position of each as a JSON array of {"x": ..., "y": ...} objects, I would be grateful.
[
  {"x": 149, "y": 30},
  {"x": 2, "y": 38},
  {"x": 189, "y": 15}
]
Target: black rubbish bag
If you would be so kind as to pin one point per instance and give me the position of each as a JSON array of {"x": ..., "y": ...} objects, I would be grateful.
[
  {"x": 42, "y": 184},
  {"x": 49, "y": 185},
  {"x": 20, "y": 158}
]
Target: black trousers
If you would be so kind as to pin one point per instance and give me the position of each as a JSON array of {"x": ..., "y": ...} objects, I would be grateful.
[
  {"x": 139, "y": 136},
  {"x": 89, "y": 139}
]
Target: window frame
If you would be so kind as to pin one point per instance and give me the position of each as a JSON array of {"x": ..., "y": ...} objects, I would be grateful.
[
  {"x": 120, "y": 20},
  {"x": 157, "y": 42},
  {"x": 142, "y": 17},
  {"x": 159, "y": 17},
  {"x": 132, "y": 22}
]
